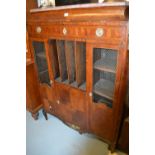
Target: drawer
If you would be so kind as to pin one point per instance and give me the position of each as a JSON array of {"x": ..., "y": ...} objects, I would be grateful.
[
  {"x": 41, "y": 30},
  {"x": 76, "y": 31}
]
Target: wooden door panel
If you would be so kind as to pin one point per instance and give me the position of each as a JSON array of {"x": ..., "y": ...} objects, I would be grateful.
[
  {"x": 79, "y": 108},
  {"x": 101, "y": 121},
  {"x": 63, "y": 102}
]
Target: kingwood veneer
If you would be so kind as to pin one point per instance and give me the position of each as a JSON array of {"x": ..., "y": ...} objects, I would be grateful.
[{"x": 80, "y": 55}]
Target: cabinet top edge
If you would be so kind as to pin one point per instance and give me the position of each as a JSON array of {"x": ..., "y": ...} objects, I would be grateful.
[{"x": 79, "y": 6}]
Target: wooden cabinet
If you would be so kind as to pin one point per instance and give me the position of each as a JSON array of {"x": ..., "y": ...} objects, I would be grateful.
[{"x": 80, "y": 56}]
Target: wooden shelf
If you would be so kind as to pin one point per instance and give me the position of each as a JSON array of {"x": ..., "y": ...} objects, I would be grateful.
[
  {"x": 41, "y": 55},
  {"x": 104, "y": 88},
  {"x": 73, "y": 84},
  {"x": 83, "y": 86},
  {"x": 42, "y": 72},
  {"x": 107, "y": 65}
]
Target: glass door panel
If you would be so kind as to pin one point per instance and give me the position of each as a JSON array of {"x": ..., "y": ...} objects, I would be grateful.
[
  {"x": 104, "y": 70},
  {"x": 41, "y": 62}
]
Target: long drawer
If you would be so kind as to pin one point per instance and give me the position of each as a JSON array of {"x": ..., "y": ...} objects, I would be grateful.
[{"x": 76, "y": 31}]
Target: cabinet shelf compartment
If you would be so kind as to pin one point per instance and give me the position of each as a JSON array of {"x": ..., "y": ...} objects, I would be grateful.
[
  {"x": 104, "y": 70},
  {"x": 105, "y": 59},
  {"x": 44, "y": 77},
  {"x": 41, "y": 62},
  {"x": 70, "y": 60},
  {"x": 105, "y": 65},
  {"x": 104, "y": 88},
  {"x": 100, "y": 99},
  {"x": 73, "y": 84},
  {"x": 80, "y": 61},
  {"x": 41, "y": 55},
  {"x": 53, "y": 55},
  {"x": 62, "y": 59}
]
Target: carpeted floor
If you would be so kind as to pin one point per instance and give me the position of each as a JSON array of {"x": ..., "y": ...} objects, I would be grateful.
[{"x": 53, "y": 137}]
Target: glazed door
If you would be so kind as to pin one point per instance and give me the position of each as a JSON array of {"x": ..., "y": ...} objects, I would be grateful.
[
  {"x": 41, "y": 58},
  {"x": 103, "y": 81},
  {"x": 41, "y": 61}
]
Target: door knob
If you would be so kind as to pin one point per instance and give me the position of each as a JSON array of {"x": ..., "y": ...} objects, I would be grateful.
[
  {"x": 90, "y": 94},
  {"x": 38, "y": 29}
]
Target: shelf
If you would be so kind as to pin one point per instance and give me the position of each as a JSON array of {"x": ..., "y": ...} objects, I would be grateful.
[
  {"x": 73, "y": 84},
  {"x": 42, "y": 72},
  {"x": 83, "y": 86},
  {"x": 108, "y": 65},
  {"x": 104, "y": 88},
  {"x": 41, "y": 55}
]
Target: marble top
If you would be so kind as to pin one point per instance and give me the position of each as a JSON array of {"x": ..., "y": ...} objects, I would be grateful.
[{"x": 90, "y": 5}]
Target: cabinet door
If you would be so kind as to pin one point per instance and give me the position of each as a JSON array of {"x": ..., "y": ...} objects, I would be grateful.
[
  {"x": 44, "y": 72},
  {"x": 103, "y": 78},
  {"x": 71, "y": 105}
]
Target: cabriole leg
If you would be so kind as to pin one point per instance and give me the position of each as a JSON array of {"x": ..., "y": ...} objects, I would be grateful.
[
  {"x": 45, "y": 114},
  {"x": 35, "y": 115}
]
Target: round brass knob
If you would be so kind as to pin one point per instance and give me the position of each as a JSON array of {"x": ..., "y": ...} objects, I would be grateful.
[
  {"x": 50, "y": 107},
  {"x": 99, "y": 32},
  {"x": 58, "y": 102},
  {"x": 90, "y": 94},
  {"x": 38, "y": 29},
  {"x": 64, "y": 31}
]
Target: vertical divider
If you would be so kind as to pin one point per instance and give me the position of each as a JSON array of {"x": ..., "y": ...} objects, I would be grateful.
[
  {"x": 70, "y": 60},
  {"x": 61, "y": 59}
]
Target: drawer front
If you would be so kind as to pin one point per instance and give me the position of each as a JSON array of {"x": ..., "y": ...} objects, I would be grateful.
[{"x": 77, "y": 32}]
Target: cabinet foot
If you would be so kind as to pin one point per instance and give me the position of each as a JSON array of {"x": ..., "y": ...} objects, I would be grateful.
[
  {"x": 112, "y": 147},
  {"x": 112, "y": 153},
  {"x": 35, "y": 115},
  {"x": 45, "y": 114}
]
